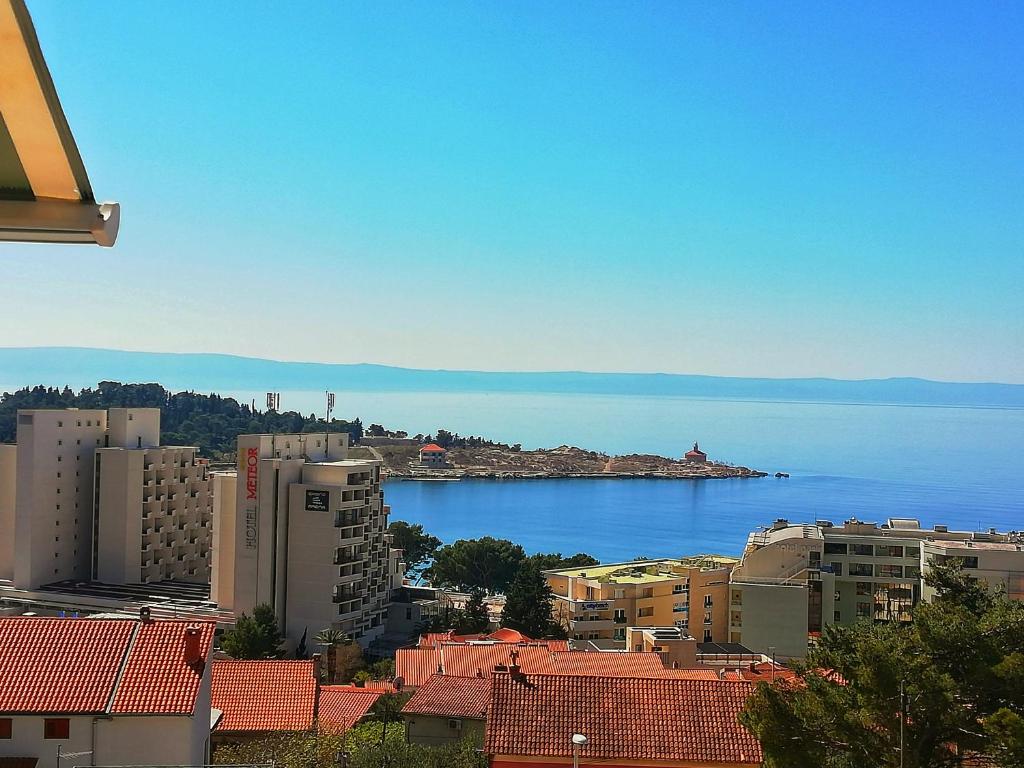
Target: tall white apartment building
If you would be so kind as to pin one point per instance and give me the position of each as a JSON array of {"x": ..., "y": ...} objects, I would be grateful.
[
  {"x": 53, "y": 494},
  {"x": 301, "y": 527},
  {"x": 86, "y": 495},
  {"x": 153, "y": 505}
]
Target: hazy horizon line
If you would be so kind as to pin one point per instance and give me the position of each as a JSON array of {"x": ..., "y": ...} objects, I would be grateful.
[{"x": 905, "y": 377}]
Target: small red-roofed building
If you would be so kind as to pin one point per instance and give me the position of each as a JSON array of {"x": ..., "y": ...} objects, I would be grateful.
[
  {"x": 447, "y": 709},
  {"x": 652, "y": 722},
  {"x": 434, "y": 457},
  {"x": 342, "y": 706},
  {"x": 696, "y": 456},
  {"x": 121, "y": 691}
]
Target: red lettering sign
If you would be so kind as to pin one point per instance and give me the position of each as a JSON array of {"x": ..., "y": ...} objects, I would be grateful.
[{"x": 251, "y": 462}]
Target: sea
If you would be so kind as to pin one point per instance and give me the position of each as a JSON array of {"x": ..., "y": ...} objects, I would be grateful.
[{"x": 960, "y": 466}]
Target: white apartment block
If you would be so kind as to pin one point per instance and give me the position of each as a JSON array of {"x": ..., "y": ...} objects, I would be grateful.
[
  {"x": 89, "y": 495},
  {"x": 795, "y": 579},
  {"x": 154, "y": 506},
  {"x": 54, "y": 494},
  {"x": 301, "y": 527}
]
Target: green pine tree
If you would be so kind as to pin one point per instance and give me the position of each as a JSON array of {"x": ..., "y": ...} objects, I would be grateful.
[
  {"x": 254, "y": 637},
  {"x": 528, "y": 604},
  {"x": 474, "y": 618}
]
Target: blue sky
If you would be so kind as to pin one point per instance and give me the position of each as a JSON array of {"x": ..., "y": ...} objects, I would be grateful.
[{"x": 769, "y": 189}]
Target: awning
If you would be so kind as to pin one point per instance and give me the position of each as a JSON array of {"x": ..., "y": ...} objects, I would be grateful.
[{"x": 45, "y": 195}]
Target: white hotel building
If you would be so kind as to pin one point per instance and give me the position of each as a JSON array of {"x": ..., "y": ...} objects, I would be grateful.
[
  {"x": 90, "y": 495},
  {"x": 302, "y": 527}
]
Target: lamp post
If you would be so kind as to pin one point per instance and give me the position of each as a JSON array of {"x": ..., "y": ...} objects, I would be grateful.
[{"x": 578, "y": 740}]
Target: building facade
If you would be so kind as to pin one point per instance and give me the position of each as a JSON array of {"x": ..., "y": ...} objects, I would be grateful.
[
  {"x": 795, "y": 579},
  {"x": 54, "y": 495},
  {"x": 599, "y": 602},
  {"x": 304, "y": 531},
  {"x": 90, "y": 495},
  {"x": 171, "y": 538}
]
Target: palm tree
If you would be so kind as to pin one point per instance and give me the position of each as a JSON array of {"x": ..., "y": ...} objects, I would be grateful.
[{"x": 331, "y": 638}]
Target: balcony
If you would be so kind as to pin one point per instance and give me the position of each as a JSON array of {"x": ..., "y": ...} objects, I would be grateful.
[{"x": 582, "y": 625}]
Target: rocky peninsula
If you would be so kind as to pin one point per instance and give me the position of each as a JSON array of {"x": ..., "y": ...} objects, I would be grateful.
[{"x": 503, "y": 462}]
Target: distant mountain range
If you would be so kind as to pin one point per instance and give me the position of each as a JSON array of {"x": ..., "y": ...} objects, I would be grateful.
[{"x": 78, "y": 367}]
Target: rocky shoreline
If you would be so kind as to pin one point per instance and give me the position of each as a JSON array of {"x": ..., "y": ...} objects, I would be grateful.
[{"x": 501, "y": 463}]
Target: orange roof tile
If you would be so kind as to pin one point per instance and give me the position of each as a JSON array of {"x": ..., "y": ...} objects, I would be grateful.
[
  {"x": 446, "y": 696},
  {"x": 342, "y": 706},
  {"x": 691, "y": 674},
  {"x": 416, "y": 665},
  {"x": 433, "y": 448},
  {"x": 79, "y": 666},
  {"x": 682, "y": 720},
  {"x": 267, "y": 695},
  {"x": 157, "y": 677}
]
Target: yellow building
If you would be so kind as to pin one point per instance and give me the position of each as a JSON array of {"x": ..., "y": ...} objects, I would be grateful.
[{"x": 599, "y": 602}]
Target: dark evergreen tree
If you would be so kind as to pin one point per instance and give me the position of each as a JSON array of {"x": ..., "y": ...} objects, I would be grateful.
[
  {"x": 254, "y": 637},
  {"x": 528, "y": 605},
  {"x": 474, "y": 619}
]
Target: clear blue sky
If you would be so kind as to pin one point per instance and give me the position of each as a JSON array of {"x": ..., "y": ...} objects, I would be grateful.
[{"x": 777, "y": 189}]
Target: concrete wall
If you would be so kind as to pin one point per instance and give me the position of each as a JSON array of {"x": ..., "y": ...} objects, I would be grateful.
[
  {"x": 8, "y": 475},
  {"x": 117, "y": 548},
  {"x": 224, "y": 540},
  {"x": 133, "y": 427},
  {"x": 774, "y": 615},
  {"x": 438, "y": 731}
]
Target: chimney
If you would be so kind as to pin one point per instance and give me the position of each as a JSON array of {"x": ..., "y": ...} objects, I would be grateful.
[
  {"x": 193, "y": 647},
  {"x": 144, "y": 613},
  {"x": 317, "y": 666}
]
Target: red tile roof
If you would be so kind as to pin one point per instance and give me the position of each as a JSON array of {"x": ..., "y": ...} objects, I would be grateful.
[
  {"x": 760, "y": 671},
  {"x": 269, "y": 695},
  {"x": 446, "y": 696},
  {"x": 432, "y": 447},
  {"x": 691, "y": 674},
  {"x": 157, "y": 677},
  {"x": 342, "y": 706},
  {"x": 503, "y": 635},
  {"x": 416, "y": 665},
  {"x": 622, "y": 718},
  {"x": 81, "y": 666}
]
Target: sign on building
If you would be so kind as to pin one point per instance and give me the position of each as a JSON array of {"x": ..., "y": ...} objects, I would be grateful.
[{"x": 317, "y": 501}]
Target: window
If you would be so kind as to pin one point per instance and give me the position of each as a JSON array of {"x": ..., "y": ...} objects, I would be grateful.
[
  {"x": 707, "y": 601},
  {"x": 60, "y": 442},
  {"x": 861, "y": 569},
  {"x": 887, "y": 550},
  {"x": 58, "y": 475},
  {"x": 56, "y": 728},
  {"x": 60, "y": 423},
  {"x": 832, "y": 548},
  {"x": 619, "y": 616},
  {"x": 970, "y": 562},
  {"x": 677, "y": 589},
  {"x": 79, "y": 423},
  {"x": 814, "y": 559},
  {"x": 864, "y": 610},
  {"x": 864, "y": 588},
  {"x": 914, "y": 552},
  {"x": 620, "y": 594},
  {"x": 892, "y": 571},
  {"x": 912, "y": 572},
  {"x": 707, "y": 617},
  {"x": 863, "y": 549},
  {"x": 590, "y": 593},
  {"x": 5, "y": 727},
  {"x": 836, "y": 616},
  {"x": 837, "y": 568},
  {"x": 707, "y": 635}
]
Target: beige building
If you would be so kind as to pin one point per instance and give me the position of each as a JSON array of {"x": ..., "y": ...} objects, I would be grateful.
[
  {"x": 599, "y": 602},
  {"x": 677, "y": 649},
  {"x": 304, "y": 530},
  {"x": 154, "y": 505},
  {"x": 795, "y": 579},
  {"x": 53, "y": 495},
  {"x": 89, "y": 495}
]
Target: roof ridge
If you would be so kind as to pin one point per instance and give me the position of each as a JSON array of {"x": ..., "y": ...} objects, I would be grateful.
[{"x": 123, "y": 667}]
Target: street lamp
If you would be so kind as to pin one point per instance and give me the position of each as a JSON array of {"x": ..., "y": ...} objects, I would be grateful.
[{"x": 578, "y": 740}]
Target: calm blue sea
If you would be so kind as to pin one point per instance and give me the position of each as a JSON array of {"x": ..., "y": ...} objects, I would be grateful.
[{"x": 959, "y": 466}]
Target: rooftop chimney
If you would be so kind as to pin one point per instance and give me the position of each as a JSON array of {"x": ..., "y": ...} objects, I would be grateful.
[
  {"x": 144, "y": 613},
  {"x": 193, "y": 647}
]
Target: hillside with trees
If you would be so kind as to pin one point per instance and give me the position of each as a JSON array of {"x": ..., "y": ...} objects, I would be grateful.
[{"x": 211, "y": 422}]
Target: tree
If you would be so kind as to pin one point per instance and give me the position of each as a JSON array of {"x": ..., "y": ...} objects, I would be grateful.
[
  {"x": 948, "y": 684},
  {"x": 550, "y": 562},
  {"x": 254, "y": 637},
  {"x": 487, "y": 563},
  {"x": 528, "y": 605},
  {"x": 474, "y": 618},
  {"x": 417, "y": 546},
  {"x": 344, "y": 656}
]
